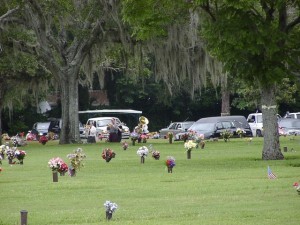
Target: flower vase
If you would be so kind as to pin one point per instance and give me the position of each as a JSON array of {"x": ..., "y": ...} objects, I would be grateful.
[
  {"x": 21, "y": 161},
  {"x": 72, "y": 172},
  {"x": 142, "y": 159},
  {"x": 144, "y": 140},
  {"x": 107, "y": 159},
  {"x": 188, "y": 154},
  {"x": 124, "y": 147},
  {"x": 170, "y": 140},
  {"x": 62, "y": 173},
  {"x": 170, "y": 169},
  {"x": 3, "y": 155},
  {"x": 55, "y": 176},
  {"x": 108, "y": 215},
  {"x": 202, "y": 144},
  {"x": 133, "y": 142},
  {"x": 10, "y": 161}
]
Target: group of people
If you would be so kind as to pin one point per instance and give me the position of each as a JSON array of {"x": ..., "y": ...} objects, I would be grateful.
[{"x": 114, "y": 130}]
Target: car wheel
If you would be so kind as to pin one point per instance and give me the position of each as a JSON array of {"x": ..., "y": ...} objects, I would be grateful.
[{"x": 258, "y": 133}]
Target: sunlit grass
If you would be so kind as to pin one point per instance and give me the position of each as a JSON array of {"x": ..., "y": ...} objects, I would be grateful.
[{"x": 225, "y": 183}]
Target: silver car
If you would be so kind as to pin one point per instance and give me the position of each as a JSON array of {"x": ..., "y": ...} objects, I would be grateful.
[{"x": 175, "y": 128}]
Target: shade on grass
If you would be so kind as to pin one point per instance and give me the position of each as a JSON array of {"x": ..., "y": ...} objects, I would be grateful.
[{"x": 224, "y": 183}]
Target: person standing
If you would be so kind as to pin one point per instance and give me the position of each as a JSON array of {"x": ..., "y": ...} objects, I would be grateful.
[
  {"x": 92, "y": 133},
  {"x": 113, "y": 131}
]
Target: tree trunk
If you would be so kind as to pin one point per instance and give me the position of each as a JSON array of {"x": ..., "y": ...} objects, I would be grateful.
[
  {"x": 69, "y": 103},
  {"x": 225, "y": 111},
  {"x": 1, "y": 107},
  {"x": 271, "y": 148}
]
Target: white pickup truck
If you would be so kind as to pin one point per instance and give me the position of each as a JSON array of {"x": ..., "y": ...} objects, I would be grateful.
[
  {"x": 255, "y": 121},
  {"x": 256, "y": 124}
]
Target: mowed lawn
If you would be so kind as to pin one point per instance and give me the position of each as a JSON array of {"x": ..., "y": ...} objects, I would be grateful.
[{"x": 224, "y": 183}]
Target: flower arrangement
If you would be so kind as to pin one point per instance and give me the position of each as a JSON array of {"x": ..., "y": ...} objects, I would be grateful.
[
  {"x": 2, "y": 151},
  {"x": 226, "y": 135},
  {"x": 170, "y": 163},
  {"x": 199, "y": 139},
  {"x": 188, "y": 136},
  {"x": 10, "y": 153},
  {"x": 124, "y": 145},
  {"x": 110, "y": 208},
  {"x": 170, "y": 137},
  {"x": 63, "y": 168},
  {"x": 43, "y": 139},
  {"x": 189, "y": 145},
  {"x": 134, "y": 137},
  {"x": 144, "y": 138},
  {"x": 297, "y": 186},
  {"x": 156, "y": 154},
  {"x": 5, "y": 137},
  {"x": 54, "y": 163},
  {"x": 76, "y": 159},
  {"x": 58, "y": 165},
  {"x": 241, "y": 132},
  {"x": 143, "y": 151},
  {"x": 108, "y": 154},
  {"x": 20, "y": 155}
]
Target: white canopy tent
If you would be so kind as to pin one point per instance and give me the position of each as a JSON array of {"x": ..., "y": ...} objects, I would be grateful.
[{"x": 111, "y": 111}]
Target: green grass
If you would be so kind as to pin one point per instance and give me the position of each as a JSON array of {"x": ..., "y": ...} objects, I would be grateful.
[{"x": 225, "y": 183}]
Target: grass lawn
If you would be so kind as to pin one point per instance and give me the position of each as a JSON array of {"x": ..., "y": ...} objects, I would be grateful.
[{"x": 224, "y": 183}]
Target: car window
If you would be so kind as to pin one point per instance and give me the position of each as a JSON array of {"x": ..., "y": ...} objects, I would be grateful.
[
  {"x": 202, "y": 127},
  {"x": 178, "y": 126},
  {"x": 187, "y": 125},
  {"x": 219, "y": 126},
  {"x": 227, "y": 125},
  {"x": 173, "y": 126}
]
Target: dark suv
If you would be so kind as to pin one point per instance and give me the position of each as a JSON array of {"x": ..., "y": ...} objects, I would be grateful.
[{"x": 212, "y": 127}]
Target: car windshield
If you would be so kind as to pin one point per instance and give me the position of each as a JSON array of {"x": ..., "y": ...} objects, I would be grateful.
[
  {"x": 42, "y": 125},
  {"x": 187, "y": 125},
  {"x": 103, "y": 123},
  {"x": 202, "y": 127},
  {"x": 290, "y": 123}
]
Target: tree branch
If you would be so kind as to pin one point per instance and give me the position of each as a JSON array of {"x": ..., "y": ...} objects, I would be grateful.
[
  {"x": 8, "y": 13},
  {"x": 292, "y": 24}
]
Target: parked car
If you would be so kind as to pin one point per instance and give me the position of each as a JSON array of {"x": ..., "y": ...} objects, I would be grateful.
[
  {"x": 56, "y": 125},
  {"x": 175, "y": 128},
  {"x": 102, "y": 123},
  {"x": 255, "y": 121},
  {"x": 295, "y": 115},
  {"x": 212, "y": 127},
  {"x": 41, "y": 127},
  {"x": 289, "y": 126}
]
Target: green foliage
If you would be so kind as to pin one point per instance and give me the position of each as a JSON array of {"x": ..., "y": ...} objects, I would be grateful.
[
  {"x": 150, "y": 18},
  {"x": 234, "y": 187},
  {"x": 250, "y": 43}
]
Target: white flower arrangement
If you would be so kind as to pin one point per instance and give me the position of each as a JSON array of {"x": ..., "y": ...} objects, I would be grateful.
[
  {"x": 110, "y": 206},
  {"x": 189, "y": 145},
  {"x": 142, "y": 151}
]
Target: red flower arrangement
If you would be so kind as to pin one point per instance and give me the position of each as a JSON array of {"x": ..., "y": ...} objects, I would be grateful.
[
  {"x": 170, "y": 163},
  {"x": 156, "y": 155},
  {"x": 43, "y": 140},
  {"x": 63, "y": 169},
  {"x": 108, "y": 154}
]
